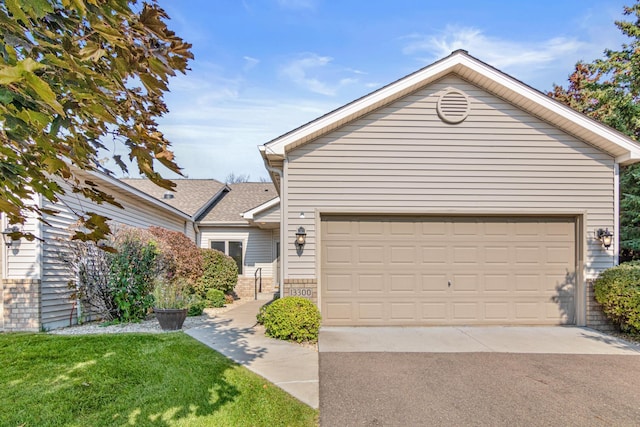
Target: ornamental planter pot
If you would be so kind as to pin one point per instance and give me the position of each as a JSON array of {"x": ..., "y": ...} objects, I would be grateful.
[{"x": 170, "y": 319}]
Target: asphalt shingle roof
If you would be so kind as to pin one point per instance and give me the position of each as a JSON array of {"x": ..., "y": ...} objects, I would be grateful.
[
  {"x": 189, "y": 196},
  {"x": 242, "y": 197}
]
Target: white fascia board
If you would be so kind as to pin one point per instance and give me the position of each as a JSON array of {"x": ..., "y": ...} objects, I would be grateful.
[
  {"x": 383, "y": 95},
  {"x": 250, "y": 213},
  {"x": 131, "y": 190},
  {"x": 281, "y": 145}
]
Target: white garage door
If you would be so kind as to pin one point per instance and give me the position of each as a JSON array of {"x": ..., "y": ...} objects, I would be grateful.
[{"x": 448, "y": 271}]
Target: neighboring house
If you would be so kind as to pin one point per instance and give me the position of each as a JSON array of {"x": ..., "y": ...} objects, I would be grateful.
[
  {"x": 242, "y": 217},
  {"x": 454, "y": 196},
  {"x": 241, "y": 220},
  {"x": 35, "y": 295}
]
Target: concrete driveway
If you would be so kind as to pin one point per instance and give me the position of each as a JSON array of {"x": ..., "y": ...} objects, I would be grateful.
[{"x": 477, "y": 376}]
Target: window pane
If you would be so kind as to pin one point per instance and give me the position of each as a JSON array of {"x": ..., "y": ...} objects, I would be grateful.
[
  {"x": 235, "y": 252},
  {"x": 218, "y": 246}
]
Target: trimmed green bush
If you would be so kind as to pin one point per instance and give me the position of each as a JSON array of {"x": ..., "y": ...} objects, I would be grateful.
[
  {"x": 196, "y": 306},
  {"x": 219, "y": 272},
  {"x": 132, "y": 271},
  {"x": 291, "y": 318},
  {"x": 618, "y": 290},
  {"x": 215, "y": 298}
]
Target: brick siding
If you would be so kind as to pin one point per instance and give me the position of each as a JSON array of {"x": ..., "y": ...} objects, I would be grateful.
[{"x": 21, "y": 299}]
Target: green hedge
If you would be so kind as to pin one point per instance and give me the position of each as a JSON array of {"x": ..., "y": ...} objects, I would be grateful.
[
  {"x": 291, "y": 318},
  {"x": 215, "y": 298},
  {"x": 618, "y": 290},
  {"x": 219, "y": 272}
]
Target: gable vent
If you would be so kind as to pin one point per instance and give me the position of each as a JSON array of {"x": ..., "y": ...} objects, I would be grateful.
[{"x": 453, "y": 106}]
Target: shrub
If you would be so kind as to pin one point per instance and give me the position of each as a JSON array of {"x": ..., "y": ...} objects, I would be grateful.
[
  {"x": 618, "y": 290},
  {"x": 88, "y": 266},
  {"x": 219, "y": 272},
  {"x": 181, "y": 256},
  {"x": 197, "y": 306},
  {"x": 215, "y": 298},
  {"x": 228, "y": 299},
  {"x": 291, "y": 318},
  {"x": 132, "y": 271},
  {"x": 169, "y": 294}
]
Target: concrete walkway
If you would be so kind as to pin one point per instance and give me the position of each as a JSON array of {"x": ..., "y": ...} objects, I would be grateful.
[
  {"x": 291, "y": 367},
  {"x": 475, "y": 339}
]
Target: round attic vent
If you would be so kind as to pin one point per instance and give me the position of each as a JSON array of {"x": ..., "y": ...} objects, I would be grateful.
[{"x": 453, "y": 106}]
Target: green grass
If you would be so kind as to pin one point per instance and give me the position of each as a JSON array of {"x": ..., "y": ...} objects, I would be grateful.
[{"x": 134, "y": 379}]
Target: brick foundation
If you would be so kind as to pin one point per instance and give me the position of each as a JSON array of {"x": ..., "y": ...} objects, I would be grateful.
[
  {"x": 294, "y": 287},
  {"x": 246, "y": 286},
  {"x": 21, "y": 309},
  {"x": 595, "y": 317}
]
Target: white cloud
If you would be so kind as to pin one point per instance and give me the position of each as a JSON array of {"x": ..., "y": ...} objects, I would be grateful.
[
  {"x": 521, "y": 59},
  {"x": 249, "y": 62},
  {"x": 317, "y": 74}
]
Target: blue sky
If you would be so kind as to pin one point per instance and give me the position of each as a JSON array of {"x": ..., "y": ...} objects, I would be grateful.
[{"x": 264, "y": 67}]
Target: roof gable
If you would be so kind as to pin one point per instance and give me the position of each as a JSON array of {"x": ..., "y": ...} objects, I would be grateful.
[
  {"x": 237, "y": 200},
  {"x": 619, "y": 146}
]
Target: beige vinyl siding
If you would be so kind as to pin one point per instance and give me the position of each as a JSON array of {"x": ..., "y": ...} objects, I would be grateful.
[
  {"x": 56, "y": 306},
  {"x": 403, "y": 158},
  {"x": 270, "y": 215},
  {"x": 257, "y": 246}
]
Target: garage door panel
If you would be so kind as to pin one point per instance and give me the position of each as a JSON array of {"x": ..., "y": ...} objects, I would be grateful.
[
  {"x": 403, "y": 255},
  {"x": 368, "y": 283},
  {"x": 397, "y": 270},
  {"x": 434, "y": 255},
  {"x": 465, "y": 255},
  {"x": 434, "y": 283},
  {"x": 338, "y": 254},
  {"x": 497, "y": 283},
  {"x": 371, "y": 255},
  {"x": 465, "y": 283},
  {"x": 405, "y": 311},
  {"x": 402, "y": 283}
]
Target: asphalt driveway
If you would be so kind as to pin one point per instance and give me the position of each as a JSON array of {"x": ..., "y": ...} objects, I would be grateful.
[{"x": 590, "y": 379}]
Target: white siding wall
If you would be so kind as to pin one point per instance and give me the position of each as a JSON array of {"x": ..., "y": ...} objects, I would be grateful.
[
  {"x": 270, "y": 215},
  {"x": 258, "y": 246},
  {"x": 56, "y": 306},
  {"x": 22, "y": 258},
  {"x": 403, "y": 158}
]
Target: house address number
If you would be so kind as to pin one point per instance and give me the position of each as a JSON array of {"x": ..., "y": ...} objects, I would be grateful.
[{"x": 301, "y": 292}]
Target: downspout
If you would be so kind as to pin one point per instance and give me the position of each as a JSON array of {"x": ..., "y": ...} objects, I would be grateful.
[
  {"x": 282, "y": 226},
  {"x": 616, "y": 213}
]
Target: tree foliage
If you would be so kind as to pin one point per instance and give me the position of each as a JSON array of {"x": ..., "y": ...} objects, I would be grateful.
[
  {"x": 608, "y": 90},
  {"x": 73, "y": 72}
]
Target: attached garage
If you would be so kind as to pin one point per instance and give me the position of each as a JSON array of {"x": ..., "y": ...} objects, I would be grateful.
[
  {"x": 405, "y": 270},
  {"x": 456, "y": 195}
]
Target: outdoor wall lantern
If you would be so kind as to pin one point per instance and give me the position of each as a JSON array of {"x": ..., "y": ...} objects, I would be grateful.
[
  {"x": 605, "y": 237},
  {"x": 301, "y": 238},
  {"x": 7, "y": 235}
]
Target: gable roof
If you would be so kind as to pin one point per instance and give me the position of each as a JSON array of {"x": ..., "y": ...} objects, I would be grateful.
[
  {"x": 622, "y": 148},
  {"x": 238, "y": 199},
  {"x": 191, "y": 196}
]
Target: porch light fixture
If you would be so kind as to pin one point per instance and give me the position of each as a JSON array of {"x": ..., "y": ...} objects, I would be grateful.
[
  {"x": 301, "y": 237},
  {"x": 605, "y": 237},
  {"x": 7, "y": 235}
]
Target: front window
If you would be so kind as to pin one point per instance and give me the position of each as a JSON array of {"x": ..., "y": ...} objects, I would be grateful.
[{"x": 233, "y": 249}]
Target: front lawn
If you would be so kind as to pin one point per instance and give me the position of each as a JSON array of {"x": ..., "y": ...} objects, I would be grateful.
[{"x": 134, "y": 379}]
